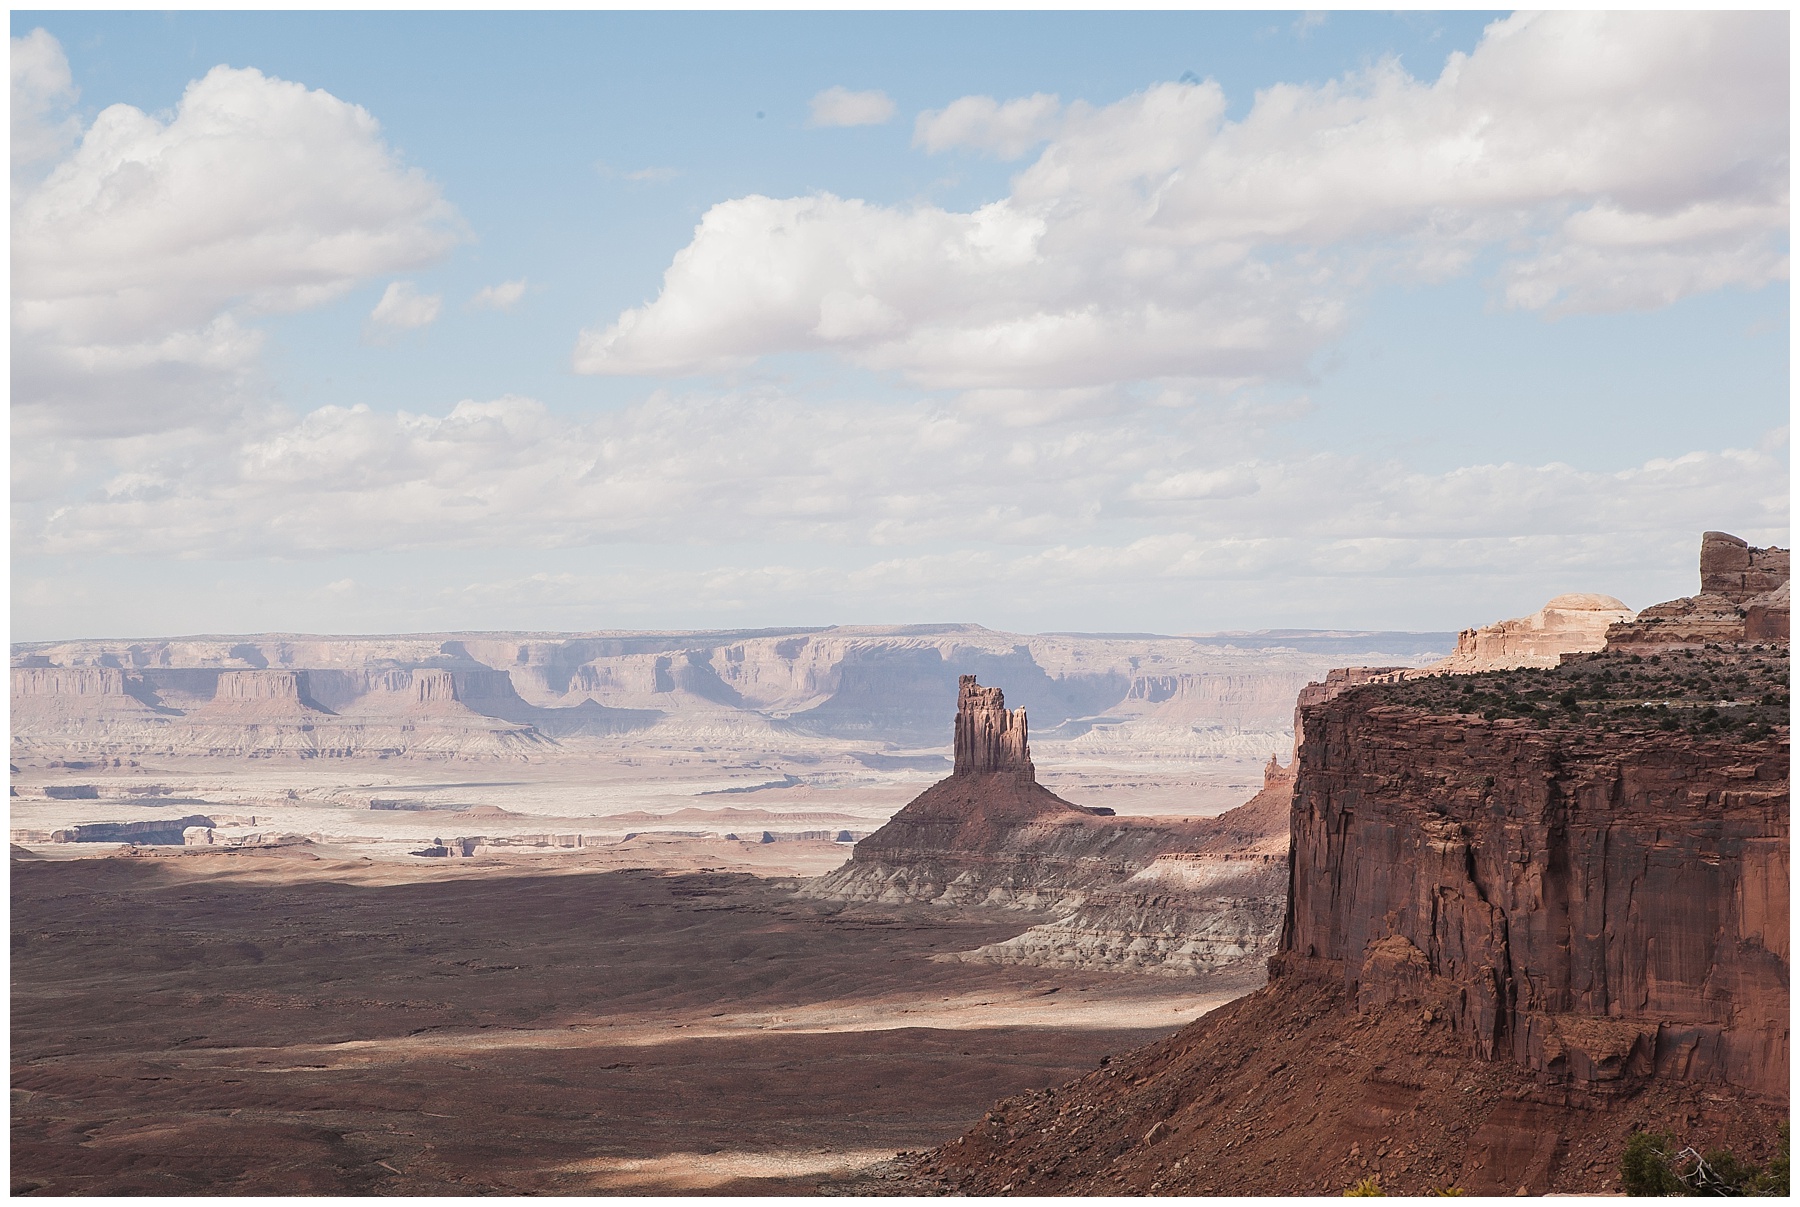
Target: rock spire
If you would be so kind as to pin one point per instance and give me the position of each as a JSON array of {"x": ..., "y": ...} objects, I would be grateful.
[{"x": 989, "y": 739}]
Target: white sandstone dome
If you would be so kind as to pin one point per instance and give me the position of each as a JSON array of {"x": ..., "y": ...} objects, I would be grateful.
[{"x": 1585, "y": 601}]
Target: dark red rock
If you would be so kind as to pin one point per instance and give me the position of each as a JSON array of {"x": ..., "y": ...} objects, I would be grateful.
[
  {"x": 1600, "y": 906},
  {"x": 989, "y": 739}
]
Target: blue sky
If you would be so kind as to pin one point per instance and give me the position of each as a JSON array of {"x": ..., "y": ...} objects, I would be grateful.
[{"x": 1247, "y": 320}]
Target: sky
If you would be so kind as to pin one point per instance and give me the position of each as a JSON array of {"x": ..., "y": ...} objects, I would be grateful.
[{"x": 1155, "y": 322}]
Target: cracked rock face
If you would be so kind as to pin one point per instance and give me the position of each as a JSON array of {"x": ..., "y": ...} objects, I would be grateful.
[{"x": 1603, "y": 903}]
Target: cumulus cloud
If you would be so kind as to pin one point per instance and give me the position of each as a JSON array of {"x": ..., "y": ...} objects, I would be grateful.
[
  {"x": 503, "y": 296},
  {"x": 838, "y": 106},
  {"x": 143, "y": 256},
  {"x": 403, "y": 308},
  {"x": 1612, "y": 161},
  {"x": 981, "y": 123},
  {"x": 42, "y": 91}
]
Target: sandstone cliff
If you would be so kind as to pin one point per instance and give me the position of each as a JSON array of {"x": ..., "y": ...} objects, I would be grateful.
[
  {"x": 1743, "y": 597},
  {"x": 1590, "y": 880},
  {"x": 1568, "y": 624}
]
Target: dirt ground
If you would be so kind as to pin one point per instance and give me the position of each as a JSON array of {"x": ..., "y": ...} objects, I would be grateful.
[{"x": 211, "y": 1023}]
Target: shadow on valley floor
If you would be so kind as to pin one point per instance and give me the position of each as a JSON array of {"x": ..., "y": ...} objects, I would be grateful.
[{"x": 228, "y": 1024}]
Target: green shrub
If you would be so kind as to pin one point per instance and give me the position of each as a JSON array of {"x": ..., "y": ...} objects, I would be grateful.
[
  {"x": 1646, "y": 1168},
  {"x": 1652, "y": 1165},
  {"x": 1368, "y": 1188}
]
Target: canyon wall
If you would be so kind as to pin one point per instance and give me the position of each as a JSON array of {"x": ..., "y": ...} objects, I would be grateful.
[{"x": 1592, "y": 888}]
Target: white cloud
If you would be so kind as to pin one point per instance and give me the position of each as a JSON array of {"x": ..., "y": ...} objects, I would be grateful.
[
  {"x": 140, "y": 258},
  {"x": 760, "y": 466},
  {"x": 1610, "y": 160},
  {"x": 838, "y": 106},
  {"x": 403, "y": 308},
  {"x": 981, "y": 123},
  {"x": 42, "y": 89},
  {"x": 503, "y": 296}
]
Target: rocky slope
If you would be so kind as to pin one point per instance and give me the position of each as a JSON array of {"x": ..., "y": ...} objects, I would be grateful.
[
  {"x": 1215, "y": 907},
  {"x": 1293, "y": 1090},
  {"x": 506, "y": 695}
]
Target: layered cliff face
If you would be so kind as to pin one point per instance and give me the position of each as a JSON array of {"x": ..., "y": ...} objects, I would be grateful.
[
  {"x": 1568, "y": 624},
  {"x": 1590, "y": 879},
  {"x": 262, "y": 713},
  {"x": 1743, "y": 597}
]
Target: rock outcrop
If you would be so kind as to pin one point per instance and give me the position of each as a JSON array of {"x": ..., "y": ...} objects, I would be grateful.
[
  {"x": 990, "y": 834},
  {"x": 1594, "y": 890},
  {"x": 157, "y": 832},
  {"x": 1181, "y": 896},
  {"x": 1569, "y": 624},
  {"x": 1729, "y": 566},
  {"x": 1531, "y": 912},
  {"x": 1743, "y": 597},
  {"x": 989, "y": 740}
]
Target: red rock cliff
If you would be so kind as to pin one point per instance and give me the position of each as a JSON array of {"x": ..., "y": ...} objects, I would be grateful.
[{"x": 1596, "y": 890}]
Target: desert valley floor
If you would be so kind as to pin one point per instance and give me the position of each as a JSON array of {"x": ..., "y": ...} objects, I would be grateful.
[{"x": 286, "y": 1022}]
